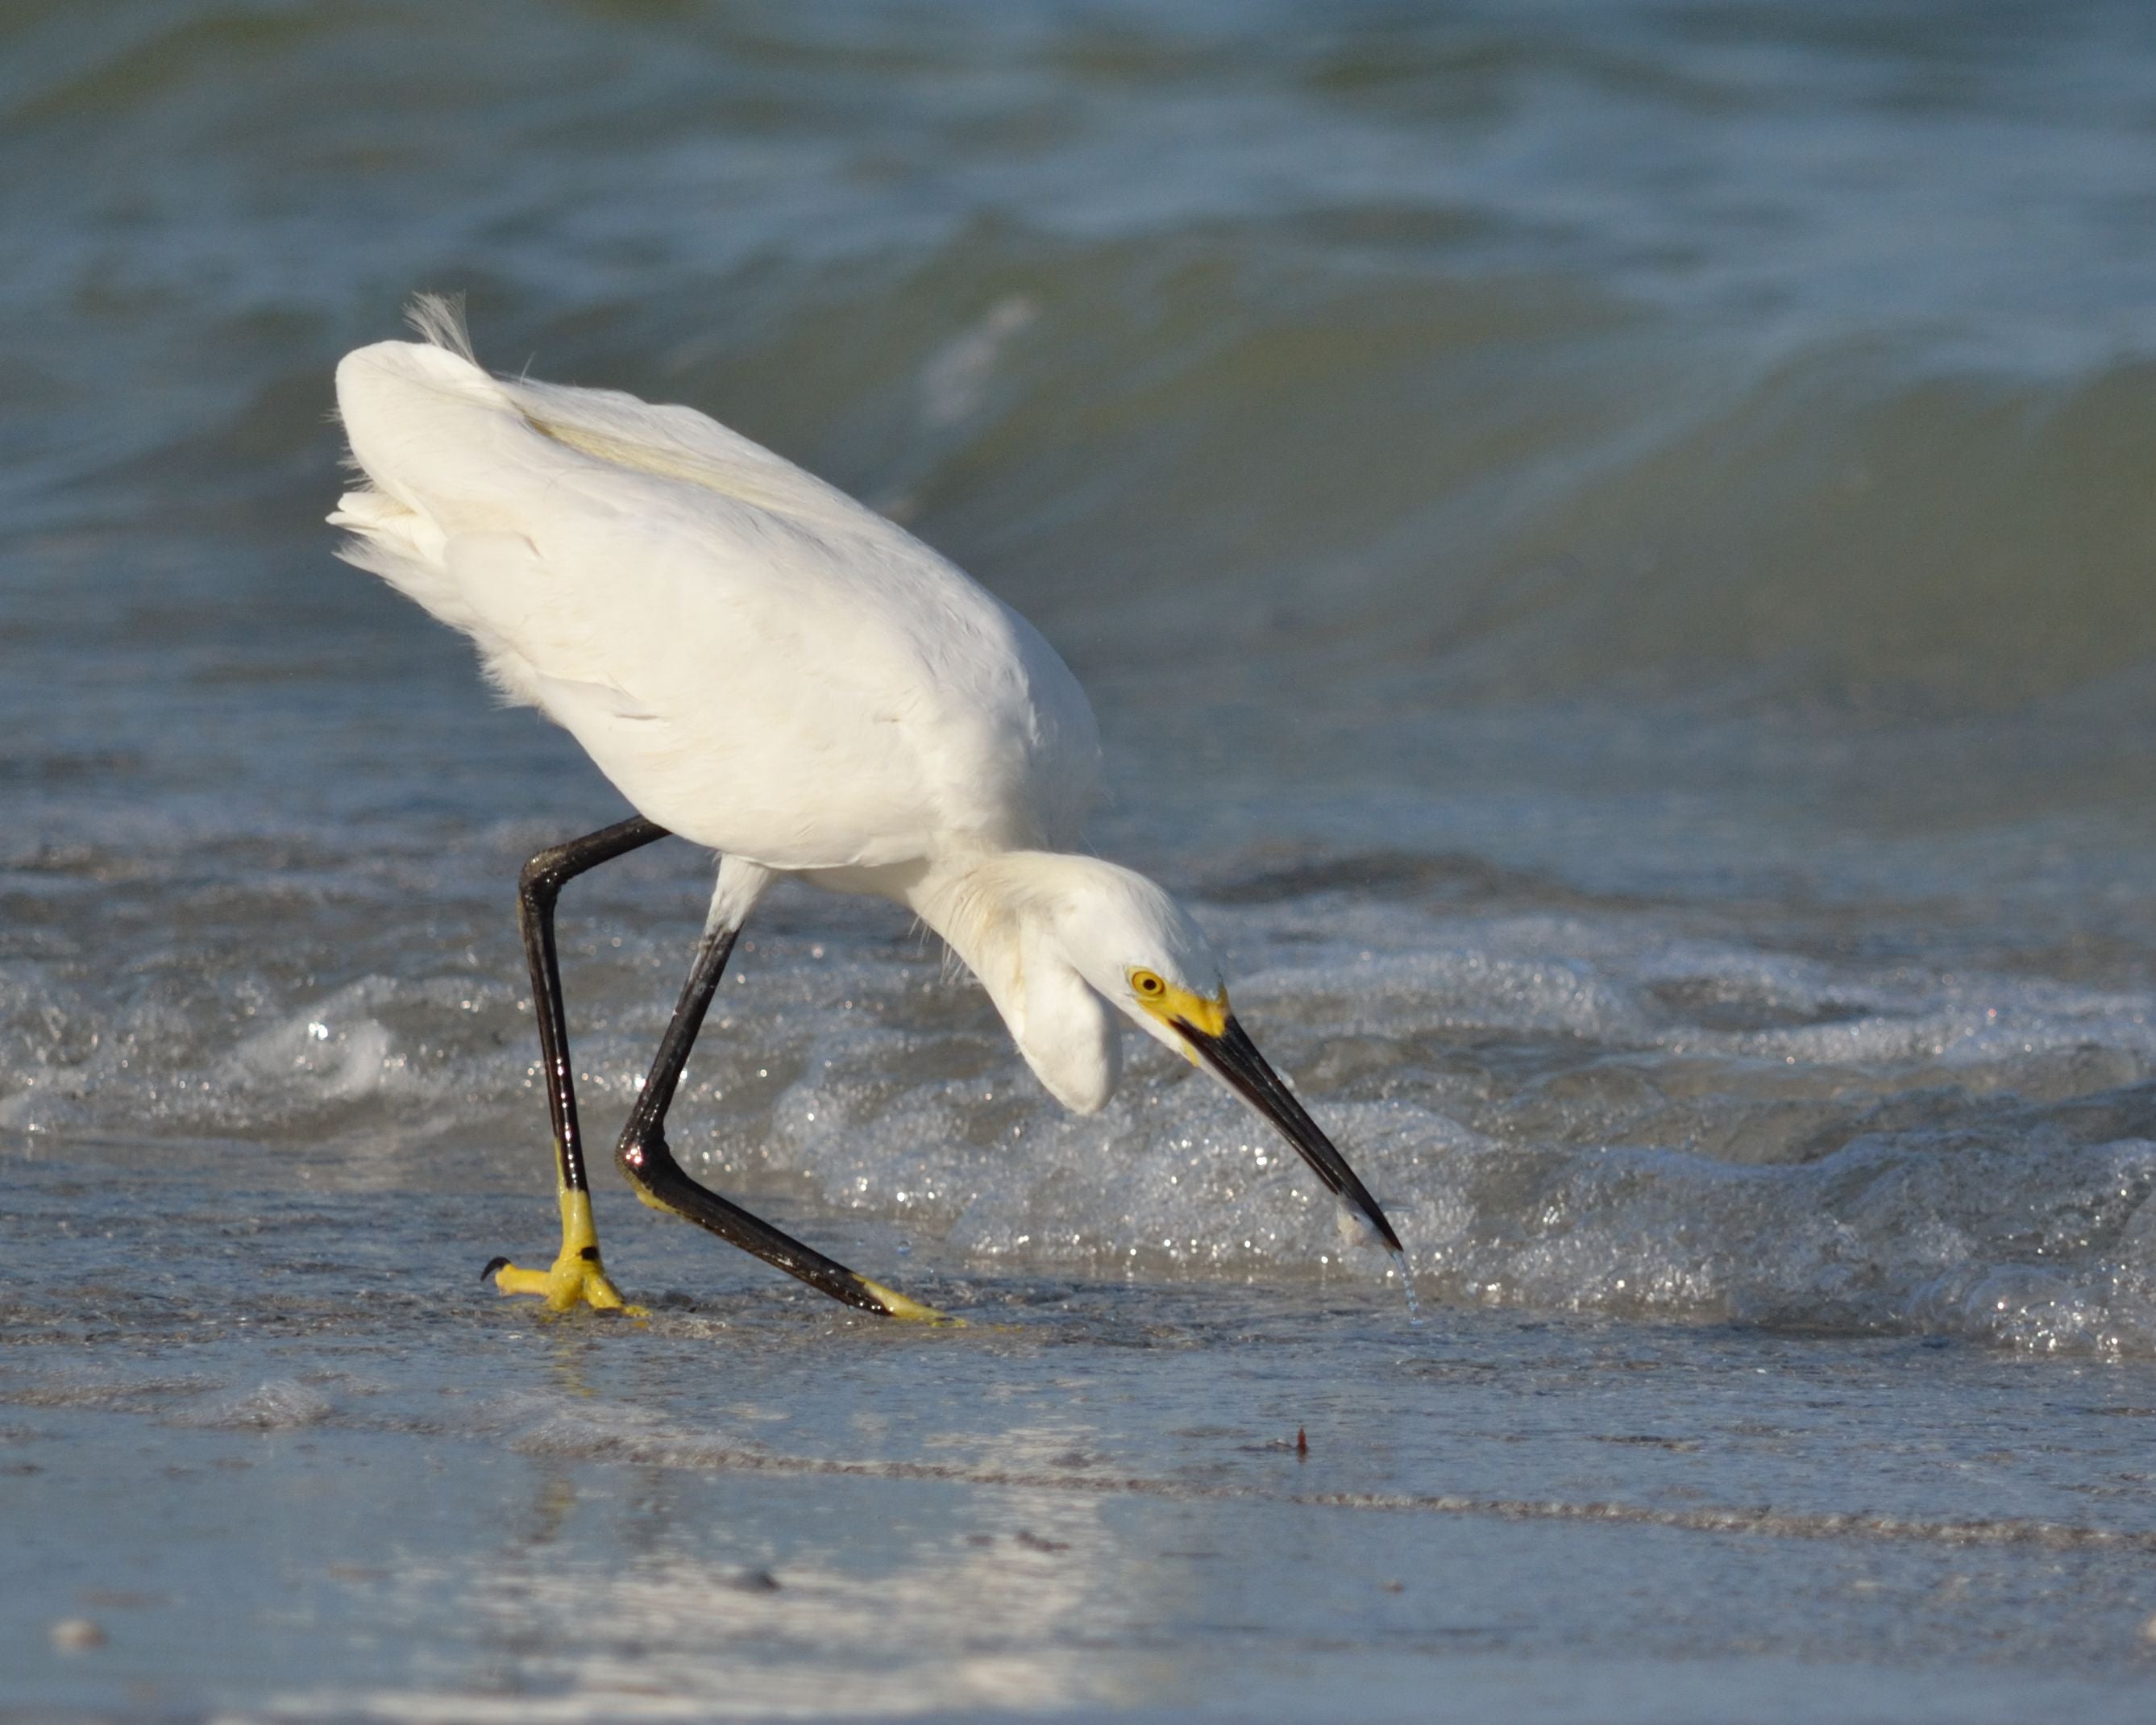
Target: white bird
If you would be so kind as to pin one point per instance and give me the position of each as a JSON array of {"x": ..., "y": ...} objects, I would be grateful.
[{"x": 768, "y": 668}]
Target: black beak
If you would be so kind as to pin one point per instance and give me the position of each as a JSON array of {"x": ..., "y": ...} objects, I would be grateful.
[{"x": 1235, "y": 1058}]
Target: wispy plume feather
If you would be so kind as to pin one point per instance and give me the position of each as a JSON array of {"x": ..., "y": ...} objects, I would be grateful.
[{"x": 440, "y": 318}]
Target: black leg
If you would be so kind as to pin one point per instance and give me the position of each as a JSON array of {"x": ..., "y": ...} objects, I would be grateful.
[
  {"x": 537, "y": 889},
  {"x": 576, "y": 1275},
  {"x": 644, "y": 1157}
]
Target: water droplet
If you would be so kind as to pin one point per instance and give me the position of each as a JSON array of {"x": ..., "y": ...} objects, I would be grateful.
[{"x": 1406, "y": 1287}]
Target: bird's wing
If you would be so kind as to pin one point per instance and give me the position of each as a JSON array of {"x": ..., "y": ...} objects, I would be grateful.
[
  {"x": 795, "y": 680},
  {"x": 680, "y": 443},
  {"x": 741, "y": 715},
  {"x": 616, "y": 429}
]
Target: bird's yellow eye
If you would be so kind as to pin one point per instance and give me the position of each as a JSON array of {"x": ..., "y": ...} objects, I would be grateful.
[{"x": 1147, "y": 985}]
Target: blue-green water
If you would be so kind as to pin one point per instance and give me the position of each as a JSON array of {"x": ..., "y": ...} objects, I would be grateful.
[{"x": 1612, "y": 545}]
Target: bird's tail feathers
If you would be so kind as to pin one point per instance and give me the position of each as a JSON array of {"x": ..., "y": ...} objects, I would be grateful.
[{"x": 404, "y": 548}]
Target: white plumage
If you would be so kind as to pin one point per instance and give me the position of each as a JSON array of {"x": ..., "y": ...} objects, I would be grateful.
[
  {"x": 761, "y": 665},
  {"x": 756, "y": 660}
]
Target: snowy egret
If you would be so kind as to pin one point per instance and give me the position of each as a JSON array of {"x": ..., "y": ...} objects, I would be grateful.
[{"x": 766, "y": 668}]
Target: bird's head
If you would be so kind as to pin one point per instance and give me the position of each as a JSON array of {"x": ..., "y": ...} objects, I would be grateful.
[{"x": 1140, "y": 950}]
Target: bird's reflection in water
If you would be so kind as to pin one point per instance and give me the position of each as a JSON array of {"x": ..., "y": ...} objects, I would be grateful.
[{"x": 648, "y": 1586}]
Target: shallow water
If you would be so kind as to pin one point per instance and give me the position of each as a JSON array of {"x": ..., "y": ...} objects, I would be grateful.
[
  {"x": 351, "y": 1491},
  {"x": 1611, "y": 544}
]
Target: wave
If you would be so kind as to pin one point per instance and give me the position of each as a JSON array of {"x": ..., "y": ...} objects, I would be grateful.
[
  {"x": 1581, "y": 1111},
  {"x": 1520, "y": 360}
]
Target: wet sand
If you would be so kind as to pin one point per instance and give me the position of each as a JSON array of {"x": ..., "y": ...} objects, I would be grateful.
[{"x": 289, "y": 1464}]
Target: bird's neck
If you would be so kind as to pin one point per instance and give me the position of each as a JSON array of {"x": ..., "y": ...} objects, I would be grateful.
[{"x": 989, "y": 912}]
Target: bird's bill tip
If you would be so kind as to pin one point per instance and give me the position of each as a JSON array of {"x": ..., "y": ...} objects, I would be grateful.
[{"x": 1231, "y": 1054}]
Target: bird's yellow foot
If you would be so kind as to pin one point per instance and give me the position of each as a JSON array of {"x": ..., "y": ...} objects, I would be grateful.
[
  {"x": 577, "y": 1277},
  {"x": 571, "y": 1282}
]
